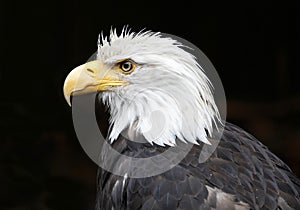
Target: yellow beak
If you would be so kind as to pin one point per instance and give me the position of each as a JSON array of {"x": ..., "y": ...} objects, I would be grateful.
[{"x": 90, "y": 77}]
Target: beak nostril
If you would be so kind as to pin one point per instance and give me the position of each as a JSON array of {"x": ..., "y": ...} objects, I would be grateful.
[{"x": 90, "y": 70}]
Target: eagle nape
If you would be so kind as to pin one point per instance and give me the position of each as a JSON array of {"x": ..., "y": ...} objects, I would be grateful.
[{"x": 142, "y": 73}]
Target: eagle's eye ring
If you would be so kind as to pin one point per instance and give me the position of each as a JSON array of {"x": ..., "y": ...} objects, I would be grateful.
[{"x": 126, "y": 66}]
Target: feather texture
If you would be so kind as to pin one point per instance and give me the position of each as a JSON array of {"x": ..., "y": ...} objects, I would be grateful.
[
  {"x": 168, "y": 96},
  {"x": 265, "y": 182}
]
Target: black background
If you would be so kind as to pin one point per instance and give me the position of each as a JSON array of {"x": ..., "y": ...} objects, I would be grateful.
[{"x": 254, "y": 48}]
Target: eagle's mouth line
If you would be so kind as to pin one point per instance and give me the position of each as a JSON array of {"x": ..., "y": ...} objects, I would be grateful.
[
  {"x": 104, "y": 85},
  {"x": 110, "y": 83}
]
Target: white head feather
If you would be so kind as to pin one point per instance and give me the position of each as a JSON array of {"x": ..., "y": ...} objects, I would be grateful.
[{"x": 168, "y": 96}]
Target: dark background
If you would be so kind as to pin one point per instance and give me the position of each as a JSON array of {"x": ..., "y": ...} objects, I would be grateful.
[{"x": 255, "y": 49}]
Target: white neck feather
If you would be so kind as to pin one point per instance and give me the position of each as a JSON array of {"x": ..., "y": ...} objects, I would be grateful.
[{"x": 169, "y": 96}]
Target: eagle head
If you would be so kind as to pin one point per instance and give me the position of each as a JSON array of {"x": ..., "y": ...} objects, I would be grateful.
[{"x": 152, "y": 86}]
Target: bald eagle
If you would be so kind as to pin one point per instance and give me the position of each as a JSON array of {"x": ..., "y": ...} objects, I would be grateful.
[{"x": 156, "y": 97}]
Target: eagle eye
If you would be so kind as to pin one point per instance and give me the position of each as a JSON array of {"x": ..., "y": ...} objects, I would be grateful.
[{"x": 127, "y": 66}]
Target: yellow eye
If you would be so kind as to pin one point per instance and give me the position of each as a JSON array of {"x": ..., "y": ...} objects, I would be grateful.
[{"x": 127, "y": 66}]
